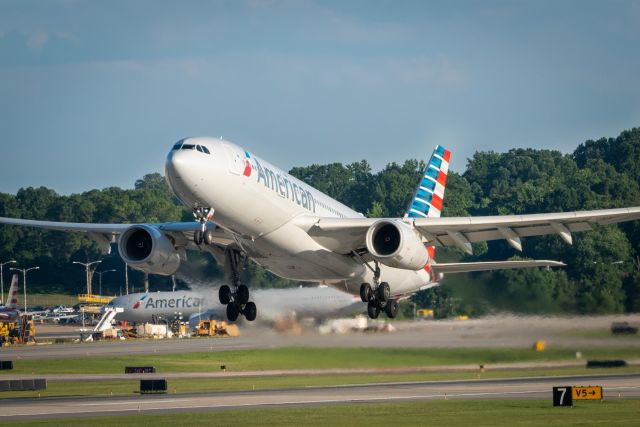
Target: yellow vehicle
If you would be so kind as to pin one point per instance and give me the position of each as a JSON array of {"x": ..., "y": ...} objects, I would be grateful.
[
  {"x": 424, "y": 313},
  {"x": 210, "y": 328},
  {"x": 20, "y": 332},
  {"x": 5, "y": 328},
  {"x": 206, "y": 328}
]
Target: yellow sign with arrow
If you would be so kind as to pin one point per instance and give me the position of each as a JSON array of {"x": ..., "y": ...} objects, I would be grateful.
[{"x": 592, "y": 392}]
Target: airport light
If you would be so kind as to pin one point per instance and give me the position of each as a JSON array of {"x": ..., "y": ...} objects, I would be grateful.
[
  {"x": 87, "y": 266},
  {"x": 24, "y": 272},
  {"x": 2, "y": 264},
  {"x": 100, "y": 273}
]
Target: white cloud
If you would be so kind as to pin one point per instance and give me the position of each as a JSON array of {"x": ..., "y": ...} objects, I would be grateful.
[{"x": 37, "y": 41}]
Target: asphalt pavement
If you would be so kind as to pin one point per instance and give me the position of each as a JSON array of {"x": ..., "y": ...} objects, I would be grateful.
[{"x": 614, "y": 387}]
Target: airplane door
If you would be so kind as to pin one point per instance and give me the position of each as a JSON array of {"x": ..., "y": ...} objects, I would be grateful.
[{"x": 236, "y": 159}]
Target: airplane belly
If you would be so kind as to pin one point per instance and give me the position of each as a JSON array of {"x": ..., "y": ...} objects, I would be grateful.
[{"x": 290, "y": 253}]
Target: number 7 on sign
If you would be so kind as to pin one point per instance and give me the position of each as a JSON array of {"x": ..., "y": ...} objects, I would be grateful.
[{"x": 562, "y": 396}]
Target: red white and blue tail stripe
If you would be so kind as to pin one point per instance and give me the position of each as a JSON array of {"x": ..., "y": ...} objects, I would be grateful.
[{"x": 427, "y": 201}]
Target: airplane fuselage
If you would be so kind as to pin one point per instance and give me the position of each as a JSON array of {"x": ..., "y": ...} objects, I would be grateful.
[
  {"x": 318, "y": 303},
  {"x": 260, "y": 204},
  {"x": 8, "y": 314}
]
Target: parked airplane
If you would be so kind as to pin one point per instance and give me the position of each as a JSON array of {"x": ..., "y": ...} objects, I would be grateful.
[
  {"x": 10, "y": 311},
  {"x": 275, "y": 304},
  {"x": 299, "y": 233}
]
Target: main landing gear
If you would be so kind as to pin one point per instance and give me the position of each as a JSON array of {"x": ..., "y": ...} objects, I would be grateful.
[
  {"x": 378, "y": 299},
  {"x": 236, "y": 299}
]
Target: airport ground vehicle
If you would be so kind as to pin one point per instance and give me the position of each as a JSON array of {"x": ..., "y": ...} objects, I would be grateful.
[
  {"x": 20, "y": 331},
  {"x": 210, "y": 328}
]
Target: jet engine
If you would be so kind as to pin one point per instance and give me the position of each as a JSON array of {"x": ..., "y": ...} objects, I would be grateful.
[
  {"x": 396, "y": 244},
  {"x": 147, "y": 249}
]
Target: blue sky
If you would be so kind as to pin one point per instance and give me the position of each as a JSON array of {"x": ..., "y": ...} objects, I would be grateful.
[{"x": 94, "y": 93}]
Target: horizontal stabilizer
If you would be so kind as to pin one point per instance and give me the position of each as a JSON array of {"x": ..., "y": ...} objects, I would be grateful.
[{"x": 463, "y": 267}]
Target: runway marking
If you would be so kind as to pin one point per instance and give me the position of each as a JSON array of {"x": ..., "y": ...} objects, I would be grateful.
[{"x": 128, "y": 402}]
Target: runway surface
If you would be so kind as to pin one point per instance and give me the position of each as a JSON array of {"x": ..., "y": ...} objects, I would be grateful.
[{"x": 615, "y": 387}]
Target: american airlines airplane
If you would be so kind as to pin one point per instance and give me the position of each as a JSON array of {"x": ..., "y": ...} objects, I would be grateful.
[
  {"x": 246, "y": 208},
  {"x": 10, "y": 311},
  {"x": 275, "y": 304}
]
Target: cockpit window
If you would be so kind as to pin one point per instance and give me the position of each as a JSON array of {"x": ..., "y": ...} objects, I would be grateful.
[{"x": 180, "y": 145}]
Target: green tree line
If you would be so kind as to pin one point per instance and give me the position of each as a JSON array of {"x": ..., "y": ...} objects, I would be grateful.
[{"x": 602, "y": 273}]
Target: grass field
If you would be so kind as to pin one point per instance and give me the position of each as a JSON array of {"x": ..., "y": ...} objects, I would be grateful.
[
  {"x": 306, "y": 358},
  {"x": 416, "y": 413},
  {"x": 45, "y": 300},
  {"x": 296, "y": 358},
  {"x": 130, "y": 387}
]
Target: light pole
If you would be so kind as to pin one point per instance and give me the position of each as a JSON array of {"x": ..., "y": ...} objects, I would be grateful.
[
  {"x": 100, "y": 277},
  {"x": 2, "y": 264},
  {"x": 24, "y": 281},
  {"x": 87, "y": 266}
]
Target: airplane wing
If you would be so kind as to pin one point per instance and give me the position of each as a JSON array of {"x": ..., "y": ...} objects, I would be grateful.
[
  {"x": 105, "y": 234},
  {"x": 465, "y": 267},
  {"x": 346, "y": 235}
]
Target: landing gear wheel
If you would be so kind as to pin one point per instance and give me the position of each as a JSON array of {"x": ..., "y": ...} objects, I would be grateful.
[
  {"x": 366, "y": 293},
  {"x": 373, "y": 310},
  {"x": 198, "y": 237},
  {"x": 208, "y": 237},
  {"x": 250, "y": 311},
  {"x": 391, "y": 309},
  {"x": 242, "y": 295},
  {"x": 224, "y": 294},
  {"x": 383, "y": 292},
  {"x": 233, "y": 310}
]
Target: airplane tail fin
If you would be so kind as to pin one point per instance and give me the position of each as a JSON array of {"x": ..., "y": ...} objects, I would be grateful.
[
  {"x": 12, "y": 298},
  {"x": 427, "y": 200}
]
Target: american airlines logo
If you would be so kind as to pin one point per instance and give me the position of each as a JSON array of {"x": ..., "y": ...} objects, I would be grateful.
[
  {"x": 285, "y": 188},
  {"x": 181, "y": 302},
  {"x": 137, "y": 304}
]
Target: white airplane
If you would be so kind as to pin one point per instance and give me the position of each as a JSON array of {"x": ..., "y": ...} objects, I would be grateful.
[
  {"x": 10, "y": 311},
  {"x": 299, "y": 233},
  {"x": 275, "y": 304}
]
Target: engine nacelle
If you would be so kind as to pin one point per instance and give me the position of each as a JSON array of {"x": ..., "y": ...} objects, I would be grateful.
[
  {"x": 396, "y": 244},
  {"x": 147, "y": 249}
]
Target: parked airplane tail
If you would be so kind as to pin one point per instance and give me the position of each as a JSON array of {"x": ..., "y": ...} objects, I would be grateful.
[{"x": 12, "y": 298}]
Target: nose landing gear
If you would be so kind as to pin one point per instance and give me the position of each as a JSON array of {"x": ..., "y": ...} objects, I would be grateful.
[
  {"x": 202, "y": 215},
  {"x": 236, "y": 299}
]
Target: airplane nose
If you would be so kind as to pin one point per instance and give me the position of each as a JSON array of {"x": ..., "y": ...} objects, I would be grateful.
[
  {"x": 175, "y": 165},
  {"x": 179, "y": 173}
]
